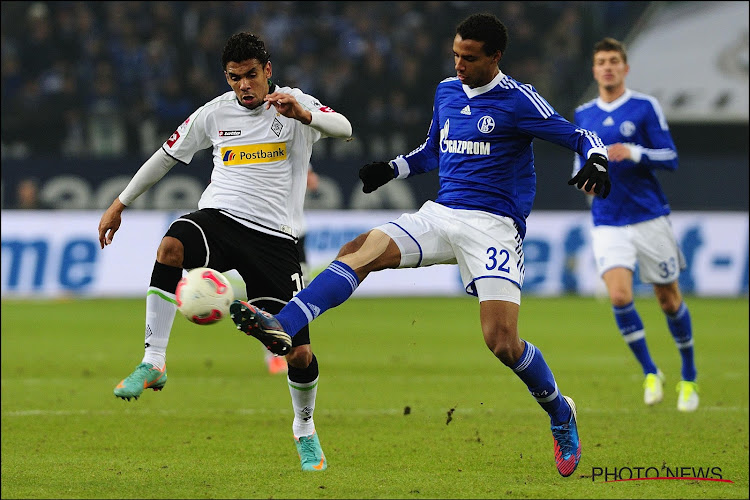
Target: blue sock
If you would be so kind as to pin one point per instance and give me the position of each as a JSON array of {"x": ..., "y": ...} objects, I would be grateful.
[
  {"x": 330, "y": 288},
  {"x": 533, "y": 370},
  {"x": 631, "y": 327},
  {"x": 682, "y": 331}
]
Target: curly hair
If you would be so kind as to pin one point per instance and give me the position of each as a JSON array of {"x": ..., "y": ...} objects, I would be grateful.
[
  {"x": 243, "y": 46},
  {"x": 485, "y": 28}
]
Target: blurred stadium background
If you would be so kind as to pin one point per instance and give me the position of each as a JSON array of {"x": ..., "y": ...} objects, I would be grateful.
[{"x": 91, "y": 89}]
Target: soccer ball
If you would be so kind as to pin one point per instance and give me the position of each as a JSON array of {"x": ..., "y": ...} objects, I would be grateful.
[{"x": 204, "y": 296}]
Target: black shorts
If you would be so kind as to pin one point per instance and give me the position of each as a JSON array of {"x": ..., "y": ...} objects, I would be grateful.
[{"x": 269, "y": 265}]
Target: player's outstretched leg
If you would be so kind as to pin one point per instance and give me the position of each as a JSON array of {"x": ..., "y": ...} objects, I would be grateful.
[
  {"x": 145, "y": 376},
  {"x": 261, "y": 325},
  {"x": 567, "y": 443}
]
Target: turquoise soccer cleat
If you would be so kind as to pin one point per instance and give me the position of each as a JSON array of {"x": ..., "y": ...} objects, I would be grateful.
[
  {"x": 145, "y": 376},
  {"x": 310, "y": 453}
]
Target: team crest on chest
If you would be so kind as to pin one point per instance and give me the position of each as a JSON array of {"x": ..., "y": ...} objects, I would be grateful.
[
  {"x": 627, "y": 128},
  {"x": 486, "y": 124},
  {"x": 276, "y": 127}
]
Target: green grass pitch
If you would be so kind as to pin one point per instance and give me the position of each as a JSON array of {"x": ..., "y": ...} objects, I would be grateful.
[{"x": 221, "y": 428}]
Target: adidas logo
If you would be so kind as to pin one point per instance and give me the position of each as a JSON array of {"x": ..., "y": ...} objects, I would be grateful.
[
  {"x": 608, "y": 122},
  {"x": 466, "y": 110},
  {"x": 314, "y": 309}
]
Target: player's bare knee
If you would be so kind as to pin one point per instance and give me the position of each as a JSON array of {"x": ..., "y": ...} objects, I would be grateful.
[
  {"x": 669, "y": 303},
  {"x": 300, "y": 356},
  {"x": 505, "y": 345},
  {"x": 504, "y": 351},
  {"x": 370, "y": 252},
  {"x": 669, "y": 297},
  {"x": 170, "y": 252},
  {"x": 353, "y": 245},
  {"x": 620, "y": 297}
]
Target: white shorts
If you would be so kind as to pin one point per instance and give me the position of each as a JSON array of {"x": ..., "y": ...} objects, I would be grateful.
[
  {"x": 486, "y": 247},
  {"x": 651, "y": 244}
]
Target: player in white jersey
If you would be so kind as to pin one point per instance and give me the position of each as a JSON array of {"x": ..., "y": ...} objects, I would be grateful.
[
  {"x": 480, "y": 139},
  {"x": 632, "y": 225},
  {"x": 248, "y": 218}
]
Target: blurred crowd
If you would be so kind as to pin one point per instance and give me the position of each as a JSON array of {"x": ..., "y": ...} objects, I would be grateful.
[{"x": 115, "y": 78}]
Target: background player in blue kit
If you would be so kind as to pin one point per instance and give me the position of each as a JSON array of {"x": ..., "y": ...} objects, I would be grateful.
[
  {"x": 480, "y": 139},
  {"x": 632, "y": 225}
]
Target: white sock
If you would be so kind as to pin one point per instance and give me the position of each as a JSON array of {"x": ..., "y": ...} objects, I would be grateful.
[
  {"x": 161, "y": 307},
  {"x": 303, "y": 402}
]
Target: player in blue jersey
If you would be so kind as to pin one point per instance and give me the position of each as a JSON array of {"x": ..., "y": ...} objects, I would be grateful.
[
  {"x": 480, "y": 140},
  {"x": 632, "y": 225}
]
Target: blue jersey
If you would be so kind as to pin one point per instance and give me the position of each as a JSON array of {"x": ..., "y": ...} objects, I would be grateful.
[
  {"x": 637, "y": 121},
  {"x": 481, "y": 141}
]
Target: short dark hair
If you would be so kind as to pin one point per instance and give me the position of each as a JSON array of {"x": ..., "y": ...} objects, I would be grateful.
[
  {"x": 243, "y": 46},
  {"x": 485, "y": 28},
  {"x": 609, "y": 44}
]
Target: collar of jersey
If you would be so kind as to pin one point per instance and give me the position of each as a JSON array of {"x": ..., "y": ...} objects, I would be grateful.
[
  {"x": 470, "y": 92},
  {"x": 611, "y": 106}
]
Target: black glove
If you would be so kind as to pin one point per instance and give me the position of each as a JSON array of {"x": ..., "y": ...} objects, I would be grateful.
[
  {"x": 594, "y": 173},
  {"x": 375, "y": 174}
]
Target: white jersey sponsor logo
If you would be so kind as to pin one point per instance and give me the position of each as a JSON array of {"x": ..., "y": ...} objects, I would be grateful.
[
  {"x": 253, "y": 153},
  {"x": 462, "y": 147}
]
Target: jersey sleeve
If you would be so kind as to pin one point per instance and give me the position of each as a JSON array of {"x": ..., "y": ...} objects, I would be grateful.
[
  {"x": 425, "y": 157},
  {"x": 537, "y": 118},
  {"x": 659, "y": 150},
  {"x": 313, "y": 105},
  {"x": 189, "y": 138},
  {"x": 576, "y": 156}
]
